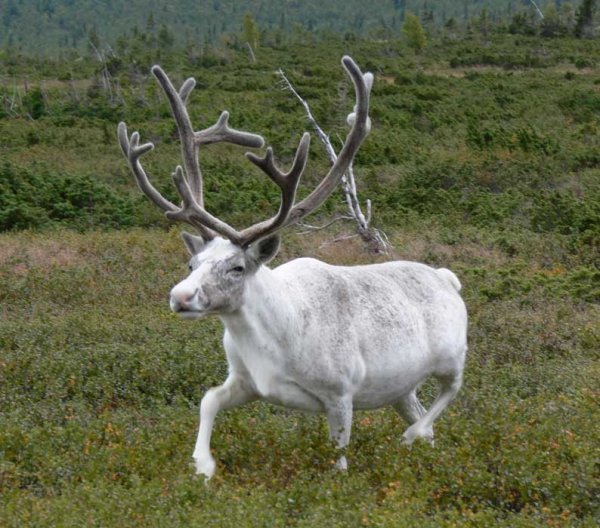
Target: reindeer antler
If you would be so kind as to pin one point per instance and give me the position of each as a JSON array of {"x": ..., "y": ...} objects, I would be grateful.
[
  {"x": 190, "y": 143},
  {"x": 189, "y": 182}
]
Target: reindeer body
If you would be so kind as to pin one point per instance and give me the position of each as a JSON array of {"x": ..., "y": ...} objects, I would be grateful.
[
  {"x": 306, "y": 335},
  {"x": 320, "y": 338}
]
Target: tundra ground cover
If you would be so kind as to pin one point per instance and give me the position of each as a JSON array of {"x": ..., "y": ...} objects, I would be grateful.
[
  {"x": 491, "y": 170},
  {"x": 101, "y": 385}
]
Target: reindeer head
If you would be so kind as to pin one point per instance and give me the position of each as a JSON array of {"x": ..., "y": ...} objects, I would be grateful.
[
  {"x": 222, "y": 257},
  {"x": 219, "y": 270}
]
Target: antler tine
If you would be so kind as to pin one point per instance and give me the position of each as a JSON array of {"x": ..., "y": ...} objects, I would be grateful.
[
  {"x": 287, "y": 182},
  {"x": 190, "y": 139},
  {"x": 221, "y": 131},
  {"x": 288, "y": 212},
  {"x": 195, "y": 215},
  {"x": 132, "y": 151},
  {"x": 189, "y": 154},
  {"x": 186, "y": 89},
  {"x": 188, "y": 179},
  {"x": 360, "y": 129}
]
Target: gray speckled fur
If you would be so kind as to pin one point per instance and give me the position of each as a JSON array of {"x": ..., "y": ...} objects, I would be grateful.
[{"x": 322, "y": 338}]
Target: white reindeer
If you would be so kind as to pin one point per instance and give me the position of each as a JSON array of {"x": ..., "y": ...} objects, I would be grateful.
[{"x": 307, "y": 335}]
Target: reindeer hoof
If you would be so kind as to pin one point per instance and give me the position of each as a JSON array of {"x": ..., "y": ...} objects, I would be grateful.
[
  {"x": 205, "y": 467},
  {"x": 413, "y": 433},
  {"x": 341, "y": 464}
]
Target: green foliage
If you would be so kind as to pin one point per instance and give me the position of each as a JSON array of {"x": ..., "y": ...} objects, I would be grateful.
[
  {"x": 523, "y": 23},
  {"x": 42, "y": 199},
  {"x": 250, "y": 31},
  {"x": 582, "y": 105},
  {"x": 483, "y": 158},
  {"x": 414, "y": 32},
  {"x": 58, "y": 26},
  {"x": 34, "y": 103},
  {"x": 165, "y": 38},
  {"x": 584, "y": 19},
  {"x": 100, "y": 404},
  {"x": 552, "y": 25}
]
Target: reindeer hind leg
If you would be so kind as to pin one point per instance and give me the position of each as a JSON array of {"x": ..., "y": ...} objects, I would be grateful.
[{"x": 423, "y": 427}]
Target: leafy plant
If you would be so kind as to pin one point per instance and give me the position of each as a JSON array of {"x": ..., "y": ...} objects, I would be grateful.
[{"x": 41, "y": 199}]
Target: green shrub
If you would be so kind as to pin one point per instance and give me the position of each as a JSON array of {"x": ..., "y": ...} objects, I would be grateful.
[
  {"x": 565, "y": 213},
  {"x": 34, "y": 102},
  {"x": 490, "y": 172},
  {"x": 31, "y": 199},
  {"x": 581, "y": 104}
]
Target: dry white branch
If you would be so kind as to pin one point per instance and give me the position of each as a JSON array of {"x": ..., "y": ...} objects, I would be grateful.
[
  {"x": 251, "y": 51},
  {"x": 539, "y": 11},
  {"x": 310, "y": 228},
  {"x": 376, "y": 241},
  {"x": 337, "y": 239}
]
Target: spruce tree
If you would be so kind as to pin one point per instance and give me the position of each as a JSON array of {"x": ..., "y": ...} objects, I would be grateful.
[
  {"x": 414, "y": 32},
  {"x": 251, "y": 32},
  {"x": 584, "y": 19}
]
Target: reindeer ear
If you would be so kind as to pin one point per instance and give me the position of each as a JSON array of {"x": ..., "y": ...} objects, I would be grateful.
[
  {"x": 265, "y": 249},
  {"x": 194, "y": 243}
]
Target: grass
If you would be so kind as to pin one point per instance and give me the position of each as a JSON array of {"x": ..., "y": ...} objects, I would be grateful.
[
  {"x": 483, "y": 158},
  {"x": 101, "y": 384}
]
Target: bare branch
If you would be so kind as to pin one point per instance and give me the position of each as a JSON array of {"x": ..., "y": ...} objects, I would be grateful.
[
  {"x": 539, "y": 11},
  {"x": 252, "y": 56},
  {"x": 360, "y": 129},
  {"x": 311, "y": 228},
  {"x": 337, "y": 239},
  {"x": 372, "y": 237}
]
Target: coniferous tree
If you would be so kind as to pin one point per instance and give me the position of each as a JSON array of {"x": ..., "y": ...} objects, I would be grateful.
[
  {"x": 251, "y": 32},
  {"x": 484, "y": 24},
  {"x": 166, "y": 39},
  {"x": 584, "y": 19},
  {"x": 551, "y": 26},
  {"x": 93, "y": 39},
  {"x": 400, "y": 6},
  {"x": 414, "y": 32},
  {"x": 150, "y": 23}
]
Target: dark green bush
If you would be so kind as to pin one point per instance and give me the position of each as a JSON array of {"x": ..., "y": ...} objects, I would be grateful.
[
  {"x": 490, "y": 172},
  {"x": 581, "y": 104},
  {"x": 565, "y": 213},
  {"x": 31, "y": 199},
  {"x": 34, "y": 102}
]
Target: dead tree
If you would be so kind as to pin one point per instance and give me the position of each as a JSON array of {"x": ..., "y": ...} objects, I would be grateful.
[{"x": 375, "y": 240}]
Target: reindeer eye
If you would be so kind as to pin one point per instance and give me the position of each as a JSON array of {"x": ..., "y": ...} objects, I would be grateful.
[
  {"x": 190, "y": 267},
  {"x": 237, "y": 269}
]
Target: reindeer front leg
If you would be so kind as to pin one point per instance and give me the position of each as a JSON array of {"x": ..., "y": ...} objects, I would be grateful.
[
  {"x": 234, "y": 392},
  {"x": 339, "y": 416}
]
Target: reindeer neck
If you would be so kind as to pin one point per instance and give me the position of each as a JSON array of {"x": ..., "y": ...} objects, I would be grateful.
[{"x": 267, "y": 307}]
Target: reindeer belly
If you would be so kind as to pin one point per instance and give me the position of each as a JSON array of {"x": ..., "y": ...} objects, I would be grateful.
[
  {"x": 280, "y": 390},
  {"x": 270, "y": 383},
  {"x": 291, "y": 395},
  {"x": 395, "y": 366},
  {"x": 386, "y": 392}
]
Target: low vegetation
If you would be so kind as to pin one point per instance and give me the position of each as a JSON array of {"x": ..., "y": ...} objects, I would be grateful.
[{"x": 483, "y": 158}]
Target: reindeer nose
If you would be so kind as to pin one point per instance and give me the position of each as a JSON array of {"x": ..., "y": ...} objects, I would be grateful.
[{"x": 182, "y": 298}]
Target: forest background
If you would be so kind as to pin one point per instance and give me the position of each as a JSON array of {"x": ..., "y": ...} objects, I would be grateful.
[{"x": 484, "y": 157}]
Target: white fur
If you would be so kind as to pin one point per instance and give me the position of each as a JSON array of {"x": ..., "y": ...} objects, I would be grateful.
[{"x": 321, "y": 338}]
